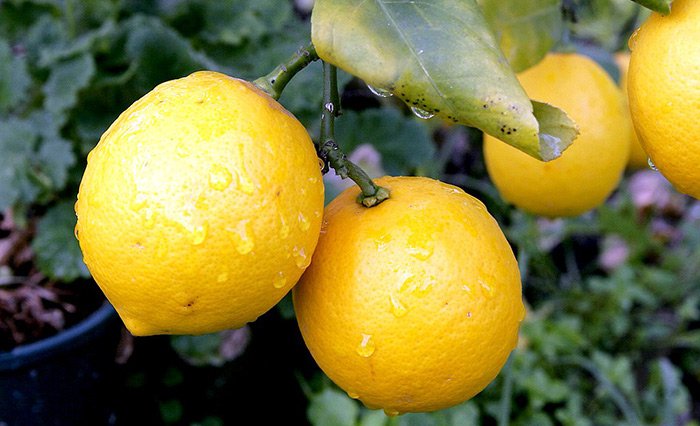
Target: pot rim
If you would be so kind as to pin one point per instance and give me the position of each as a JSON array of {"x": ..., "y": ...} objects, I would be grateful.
[{"x": 65, "y": 340}]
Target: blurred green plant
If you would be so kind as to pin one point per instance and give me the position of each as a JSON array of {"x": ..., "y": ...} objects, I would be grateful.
[{"x": 612, "y": 333}]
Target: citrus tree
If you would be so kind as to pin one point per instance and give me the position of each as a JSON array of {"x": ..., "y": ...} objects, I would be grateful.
[{"x": 202, "y": 205}]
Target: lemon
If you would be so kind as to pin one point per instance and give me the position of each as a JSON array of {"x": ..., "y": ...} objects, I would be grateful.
[
  {"x": 638, "y": 157},
  {"x": 412, "y": 305},
  {"x": 591, "y": 168},
  {"x": 200, "y": 206},
  {"x": 664, "y": 93}
]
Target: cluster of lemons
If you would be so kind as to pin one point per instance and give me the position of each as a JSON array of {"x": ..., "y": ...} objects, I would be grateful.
[{"x": 203, "y": 205}]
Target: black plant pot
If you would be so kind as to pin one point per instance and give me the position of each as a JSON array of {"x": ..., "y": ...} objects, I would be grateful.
[{"x": 64, "y": 379}]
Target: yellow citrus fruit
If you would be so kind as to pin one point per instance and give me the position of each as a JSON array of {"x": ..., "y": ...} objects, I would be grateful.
[
  {"x": 200, "y": 207},
  {"x": 590, "y": 169},
  {"x": 638, "y": 157},
  {"x": 664, "y": 93},
  {"x": 412, "y": 305}
]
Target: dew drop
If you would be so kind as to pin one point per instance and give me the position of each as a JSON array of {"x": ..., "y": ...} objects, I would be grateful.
[
  {"x": 652, "y": 165},
  {"x": 382, "y": 242},
  {"x": 420, "y": 247},
  {"x": 353, "y": 395},
  {"x": 366, "y": 347},
  {"x": 219, "y": 177},
  {"x": 382, "y": 93},
  {"x": 280, "y": 280},
  {"x": 284, "y": 228},
  {"x": 304, "y": 223},
  {"x": 488, "y": 290},
  {"x": 138, "y": 202},
  {"x": 161, "y": 249},
  {"x": 421, "y": 113},
  {"x": 301, "y": 259},
  {"x": 182, "y": 150},
  {"x": 390, "y": 412},
  {"x": 223, "y": 276},
  {"x": 398, "y": 309},
  {"x": 244, "y": 183},
  {"x": 242, "y": 237},
  {"x": 424, "y": 287},
  {"x": 199, "y": 233},
  {"x": 523, "y": 313},
  {"x": 632, "y": 41},
  {"x": 149, "y": 218}
]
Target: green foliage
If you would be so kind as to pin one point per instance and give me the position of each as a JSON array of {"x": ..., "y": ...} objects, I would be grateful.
[
  {"x": 604, "y": 343},
  {"x": 526, "y": 30},
  {"x": 442, "y": 60},
  {"x": 57, "y": 251}
]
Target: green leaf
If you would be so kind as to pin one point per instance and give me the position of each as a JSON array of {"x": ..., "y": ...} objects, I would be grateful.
[
  {"x": 439, "y": 57},
  {"x": 14, "y": 78},
  {"x": 525, "y": 29},
  {"x": 66, "y": 80},
  {"x": 17, "y": 141},
  {"x": 404, "y": 143},
  {"x": 661, "y": 6},
  {"x": 233, "y": 23},
  {"x": 56, "y": 248},
  {"x": 332, "y": 408}
]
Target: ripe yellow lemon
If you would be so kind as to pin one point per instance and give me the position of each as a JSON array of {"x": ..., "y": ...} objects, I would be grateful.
[
  {"x": 200, "y": 207},
  {"x": 664, "y": 93},
  {"x": 590, "y": 169},
  {"x": 638, "y": 157},
  {"x": 412, "y": 305}
]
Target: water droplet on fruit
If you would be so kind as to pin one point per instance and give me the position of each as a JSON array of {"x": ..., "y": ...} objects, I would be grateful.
[
  {"x": 219, "y": 177},
  {"x": 382, "y": 242},
  {"x": 161, "y": 249},
  {"x": 398, "y": 309},
  {"x": 304, "y": 223},
  {"x": 420, "y": 247},
  {"x": 223, "y": 276},
  {"x": 421, "y": 113},
  {"x": 284, "y": 228},
  {"x": 199, "y": 233},
  {"x": 280, "y": 280},
  {"x": 149, "y": 218},
  {"x": 353, "y": 395},
  {"x": 467, "y": 288},
  {"x": 182, "y": 149},
  {"x": 382, "y": 93},
  {"x": 469, "y": 314},
  {"x": 652, "y": 165},
  {"x": 488, "y": 290},
  {"x": 390, "y": 412},
  {"x": 138, "y": 202},
  {"x": 366, "y": 347},
  {"x": 244, "y": 183},
  {"x": 301, "y": 259},
  {"x": 242, "y": 237},
  {"x": 632, "y": 41},
  {"x": 75, "y": 232},
  {"x": 523, "y": 313}
]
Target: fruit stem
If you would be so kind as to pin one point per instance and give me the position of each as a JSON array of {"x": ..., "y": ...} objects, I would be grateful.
[
  {"x": 274, "y": 83},
  {"x": 371, "y": 194}
]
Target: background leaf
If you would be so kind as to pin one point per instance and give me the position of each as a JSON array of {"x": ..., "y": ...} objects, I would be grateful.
[
  {"x": 661, "y": 6},
  {"x": 439, "y": 57},
  {"x": 57, "y": 251},
  {"x": 331, "y": 407},
  {"x": 14, "y": 78},
  {"x": 525, "y": 29}
]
